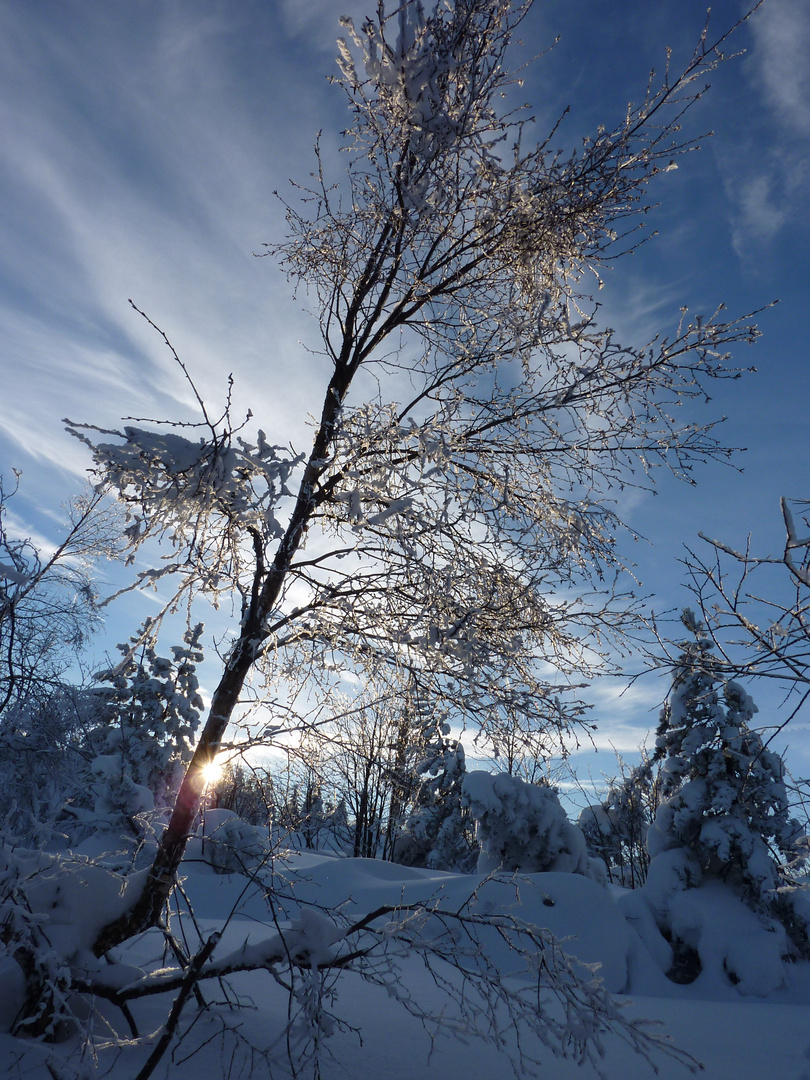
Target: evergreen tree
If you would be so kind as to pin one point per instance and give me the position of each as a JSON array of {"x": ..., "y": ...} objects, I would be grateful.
[
  {"x": 151, "y": 709},
  {"x": 438, "y": 833},
  {"x": 724, "y": 814}
]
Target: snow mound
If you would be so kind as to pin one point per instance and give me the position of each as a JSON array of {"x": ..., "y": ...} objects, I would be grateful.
[
  {"x": 735, "y": 945},
  {"x": 578, "y": 912}
]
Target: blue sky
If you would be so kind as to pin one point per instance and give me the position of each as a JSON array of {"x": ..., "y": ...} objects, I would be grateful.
[{"x": 140, "y": 146}]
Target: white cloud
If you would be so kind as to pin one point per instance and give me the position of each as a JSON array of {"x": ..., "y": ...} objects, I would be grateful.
[
  {"x": 769, "y": 188},
  {"x": 17, "y": 528},
  {"x": 760, "y": 212},
  {"x": 781, "y": 31},
  {"x": 161, "y": 193},
  {"x": 625, "y": 715},
  {"x": 318, "y": 20}
]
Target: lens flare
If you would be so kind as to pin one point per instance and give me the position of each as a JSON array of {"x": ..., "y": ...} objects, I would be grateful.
[{"x": 211, "y": 773}]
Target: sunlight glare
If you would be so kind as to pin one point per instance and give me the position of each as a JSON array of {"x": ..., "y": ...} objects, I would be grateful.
[{"x": 212, "y": 773}]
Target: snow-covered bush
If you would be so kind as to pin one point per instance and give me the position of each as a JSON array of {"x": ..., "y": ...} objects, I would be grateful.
[
  {"x": 51, "y": 909},
  {"x": 522, "y": 827},
  {"x": 229, "y": 844},
  {"x": 42, "y": 762},
  {"x": 48, "y": 600},
  {"x": 48, "y": 613}
]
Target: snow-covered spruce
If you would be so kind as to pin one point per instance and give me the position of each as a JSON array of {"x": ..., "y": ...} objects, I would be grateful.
[
  {"x": 141, "y": 742},
  {"x": 437, "y": 833},
  {"x": 724, "y": 821},
  {"x": 616, "y": 828}
]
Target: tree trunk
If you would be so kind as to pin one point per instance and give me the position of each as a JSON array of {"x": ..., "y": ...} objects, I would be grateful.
[{"x": 146, "y": 910}]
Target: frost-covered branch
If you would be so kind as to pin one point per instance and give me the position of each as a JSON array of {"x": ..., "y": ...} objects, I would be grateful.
[
  {"x": 757, "y": 608},
  {"x": 554, "y": 1003},
  {"x": 48, "y": 599}
]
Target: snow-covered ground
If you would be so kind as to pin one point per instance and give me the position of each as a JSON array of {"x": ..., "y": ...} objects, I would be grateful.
[{"x": 732, "y": 1035}]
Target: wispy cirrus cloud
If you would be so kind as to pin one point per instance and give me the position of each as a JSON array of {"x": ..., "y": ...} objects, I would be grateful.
[
  {"x": 781, "y": 31},
  {"x": 318, "y": 20},
  {"x": 139, "y": 161},
  {"x": 769, "y": 189}
]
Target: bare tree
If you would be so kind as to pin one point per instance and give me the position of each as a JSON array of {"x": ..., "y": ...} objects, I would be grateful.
[
  {"x": 450, "y": 518},
  {"x": 757, "y": 608},
  {"x": 48, "y": 599},
  {"x": 616, "y": 828}
]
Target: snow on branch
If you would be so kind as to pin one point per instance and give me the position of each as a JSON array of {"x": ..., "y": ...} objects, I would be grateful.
[
  {"x": 205, "y": 495},
  {"x": 172, "y": 484}
]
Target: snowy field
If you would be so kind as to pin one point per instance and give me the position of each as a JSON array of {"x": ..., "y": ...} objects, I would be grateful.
[{"x": 730, "y": 1034}]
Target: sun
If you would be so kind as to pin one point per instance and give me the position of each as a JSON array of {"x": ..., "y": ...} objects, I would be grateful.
[{"x": 211, "y": 772}]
